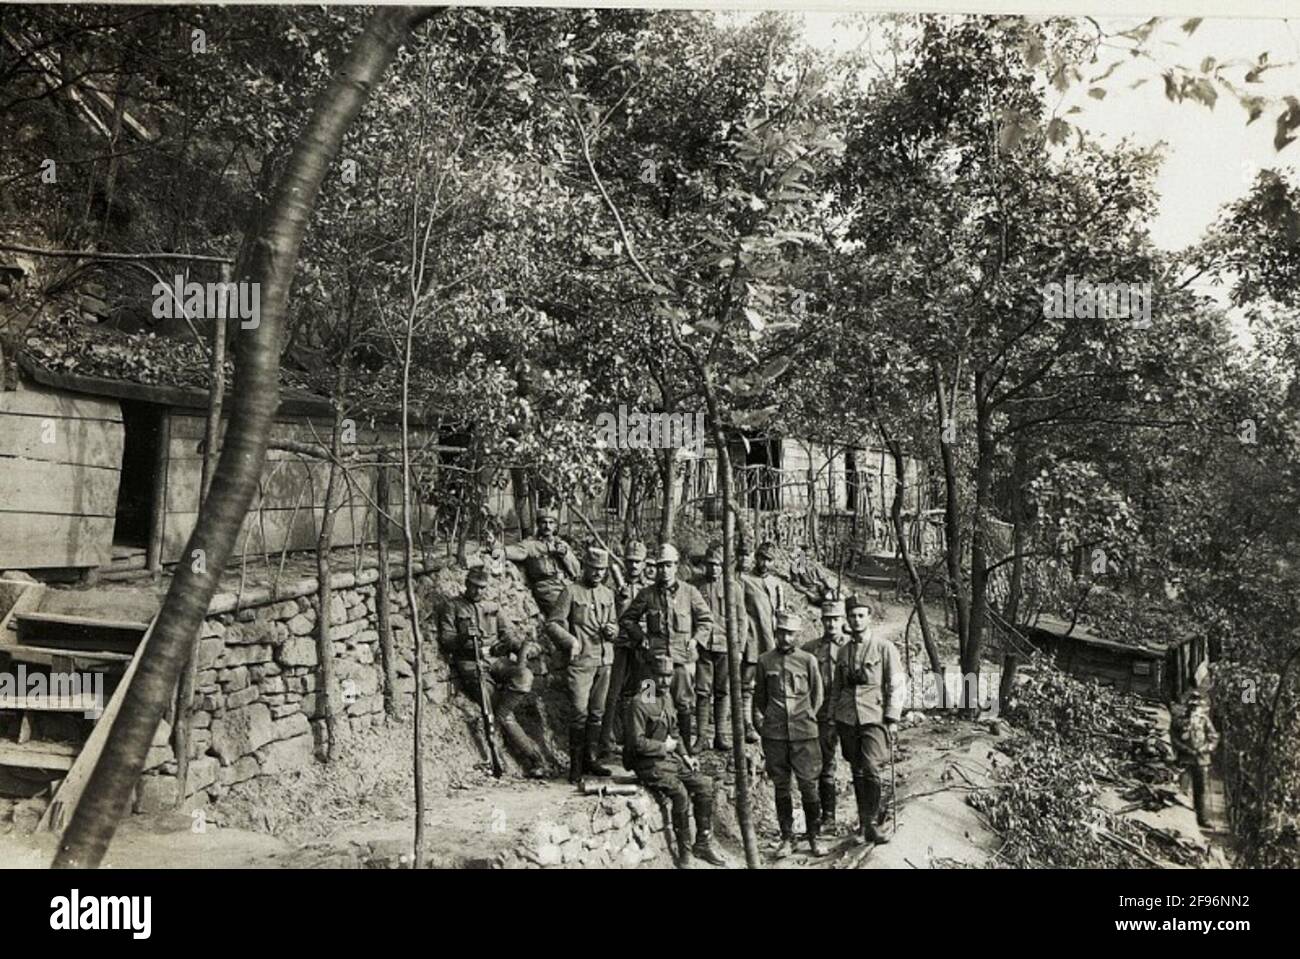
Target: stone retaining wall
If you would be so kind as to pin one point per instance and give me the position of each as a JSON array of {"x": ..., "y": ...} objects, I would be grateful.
[{"x": 256, "y": 707}]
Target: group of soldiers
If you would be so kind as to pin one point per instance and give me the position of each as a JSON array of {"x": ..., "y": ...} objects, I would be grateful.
[{"x": 646, "y": 667}]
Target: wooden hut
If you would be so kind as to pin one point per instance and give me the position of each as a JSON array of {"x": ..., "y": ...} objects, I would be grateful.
[{"x": 105, "y": 473}]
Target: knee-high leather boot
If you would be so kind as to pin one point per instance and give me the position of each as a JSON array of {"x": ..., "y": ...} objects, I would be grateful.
[{"x": 722, "y": 722}]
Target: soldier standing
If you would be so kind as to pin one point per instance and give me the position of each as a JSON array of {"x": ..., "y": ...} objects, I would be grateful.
[
  {"x": 825, "y": 649},
  {"x": 506, "y": 683},
  {"x": 583, "y": 623},
  {"x": 760, "y": 636},
  {"x": 654, "y": 750},
  {"x": 670, "y": 618},
  {"x": 548, "y": 561},
  {"x": 868, "y": 695},
  {"x": 787, "y": 698},
  {"x": 1194, "y": 738},
  {"x": 712, "y": 671},
  {"x": 622, "y": 674}
]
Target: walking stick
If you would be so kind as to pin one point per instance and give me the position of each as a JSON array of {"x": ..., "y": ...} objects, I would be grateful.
[{"x": 893, "y": 791}]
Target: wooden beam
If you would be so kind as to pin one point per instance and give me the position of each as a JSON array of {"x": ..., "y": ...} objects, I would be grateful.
[{"x": 158, "y": 507}]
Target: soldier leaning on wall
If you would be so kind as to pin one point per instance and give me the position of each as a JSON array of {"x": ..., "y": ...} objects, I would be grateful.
[
  {"x": 549, "y": 563},
  {"x": 506, "y": 682}
]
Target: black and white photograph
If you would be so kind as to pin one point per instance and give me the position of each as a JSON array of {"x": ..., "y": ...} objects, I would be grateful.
[{"x": 748, "y": 437}]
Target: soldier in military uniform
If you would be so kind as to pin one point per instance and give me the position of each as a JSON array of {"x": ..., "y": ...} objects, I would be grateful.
[
  {"x": 868, "y": 693},
  {"x": 825, "y": 649},
  {"x": 622, "y": 674},
  {"x": 548, "y": 562},
  {"x": 712, "y": 685},
  {"x": 787, "y": 699},
  {"x": 670, "y": 618},
  {"x": 760, "y": 635},
  {"x": 656, "y": 752},
  {"x": 1194, "y": 738},
  {"x": 506, "y": 682},
  {"x": 584, "y": 625}
]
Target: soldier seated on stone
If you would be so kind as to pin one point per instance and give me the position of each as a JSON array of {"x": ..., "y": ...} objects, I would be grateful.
[
  {"x": 481, "y": 642},
  {"x": 654, "y": 750},
  {"x": 548, "y": 561}
]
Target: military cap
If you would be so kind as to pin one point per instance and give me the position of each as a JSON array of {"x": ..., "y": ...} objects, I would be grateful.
[
  {"x": 767, "y": 550},
  {"x": 790, "y": 622},
  {"x": 713, "y": 554},
  {"x": 545, "y": 512},
  {"x": 478, "y": 575},
  {"x": 663, "y": 666},
  {"x": 595, "y": 557},
  {"x": 858, "y": 602},
  {"x": 667, "y": 554},
  {"x": 636, "y": 550},
  {"x": 833, "y": 607}
]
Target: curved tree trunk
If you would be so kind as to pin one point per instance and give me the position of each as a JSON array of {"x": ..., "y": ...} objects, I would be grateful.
[{"x": 255, "y": 397}]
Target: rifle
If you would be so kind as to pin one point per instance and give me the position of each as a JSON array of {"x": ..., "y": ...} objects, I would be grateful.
[{"x": 484, "y": 707}]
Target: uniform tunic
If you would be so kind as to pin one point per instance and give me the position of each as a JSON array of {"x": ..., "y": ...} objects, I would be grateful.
[
  {"x": 788, "y": 694},
  {"x": 676, "y": 618},
  {"x": 576, "y": 626}
]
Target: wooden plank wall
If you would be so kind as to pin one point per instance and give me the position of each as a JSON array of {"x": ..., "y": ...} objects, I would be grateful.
[
  {"x": 290, "y": 503},
  {"x": 60, "y": 465}
]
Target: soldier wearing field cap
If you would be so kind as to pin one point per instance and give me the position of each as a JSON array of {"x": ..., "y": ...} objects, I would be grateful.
[
  {"x": 787, "y": 698},
  {"x": 825, "y": 649},
  {"x": 655, "y": 749},
  {"x": 548, "y": 562},
  {"x": 670, "y": 618},
  {"x": 760, "y": 634},
  {"x": 623, "y": 673},
  {"x": 712, "y": 686},
  {"x": 867, "y": 695},
  {"x": 503, "y": 654},
  {"x": 583, "y": 625}
]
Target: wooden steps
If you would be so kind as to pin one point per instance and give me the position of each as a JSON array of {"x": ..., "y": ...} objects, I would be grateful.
[
  {"x": 73, "y": 632},
  {"x": 63, "y": 632},
  {"x": 35, "y": 754}
]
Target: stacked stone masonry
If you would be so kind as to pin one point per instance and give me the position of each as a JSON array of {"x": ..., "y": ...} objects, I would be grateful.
[{"x": 257, "y": 708}]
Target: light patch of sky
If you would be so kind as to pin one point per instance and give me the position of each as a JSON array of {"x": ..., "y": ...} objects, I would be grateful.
[{"x": 1210, "y": 156}]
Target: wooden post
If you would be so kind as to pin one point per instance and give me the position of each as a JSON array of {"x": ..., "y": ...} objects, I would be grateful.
[{"x": 158, "y": 508}]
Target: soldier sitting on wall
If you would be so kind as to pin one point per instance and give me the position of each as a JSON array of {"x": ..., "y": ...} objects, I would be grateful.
[
  {"x": 506, "y": 682},
  {"x": 549, "y": 563}
]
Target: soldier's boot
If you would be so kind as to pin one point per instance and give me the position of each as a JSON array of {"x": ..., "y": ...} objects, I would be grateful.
[
  {"x": 785, "y": 819},
  {"x": 721, "y": 722},
  {"x": 590, "y": 761},
  {"x": 702, "y": 730},
  {"x": 868, "y": 812},
  {"x": 860, "y": 794},
  {"x": 812, "y": 815},
  {"x": 682, "y": 835},
  {"x": 747, "y": 704},
  {"x": 704, "y": 848},
  {"x": 684, "y": 727},
  {"x": 826, "y": 797},
  {"x": 577, "y": 757}
]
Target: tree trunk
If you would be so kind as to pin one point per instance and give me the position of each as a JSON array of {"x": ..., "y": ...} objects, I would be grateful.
[
  {"x": 383, "y": 591},
  {"x": 327, "y": 698},
  {"x": 255, "y": 398},
  {"x": 667, "y": 471},
  {"x": 744, "y": 817},
  {"x": 1011, "y": 612},
  {"x": 211, "y": 433},
  {"x": 913, "y": 577},
  {"x": 979, "y": 583},
  {"x": 952, "y": 518}
]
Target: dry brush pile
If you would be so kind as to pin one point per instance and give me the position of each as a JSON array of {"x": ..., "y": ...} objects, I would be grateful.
[{"x": 1073, "y": 739}]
